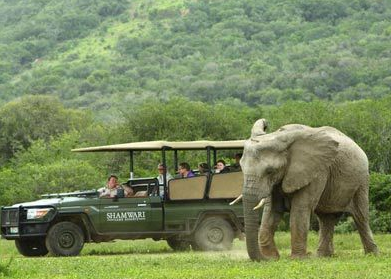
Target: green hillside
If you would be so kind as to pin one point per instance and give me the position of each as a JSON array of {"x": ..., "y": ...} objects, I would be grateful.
[{"x": 113, "y": 54}]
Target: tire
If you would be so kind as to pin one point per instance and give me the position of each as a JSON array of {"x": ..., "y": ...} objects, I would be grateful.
[
  {"x": 178, "y": 244},
  {"x": 31, "y": 247},
  {"x": 213, "y": 234},
  {"x": 65, "y": 239}
]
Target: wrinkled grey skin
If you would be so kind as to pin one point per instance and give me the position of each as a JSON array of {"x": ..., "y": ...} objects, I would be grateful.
[{"x": 303, "y": 170}]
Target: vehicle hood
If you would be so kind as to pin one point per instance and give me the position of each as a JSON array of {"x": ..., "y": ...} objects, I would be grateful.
[{"x": 51, "y": 202}]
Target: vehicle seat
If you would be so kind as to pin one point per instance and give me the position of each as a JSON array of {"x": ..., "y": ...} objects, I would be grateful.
[
  {"x": 140, "y": 194},
  {"x": 226, "y": 185},
  {"x": 191, "y": 188}
]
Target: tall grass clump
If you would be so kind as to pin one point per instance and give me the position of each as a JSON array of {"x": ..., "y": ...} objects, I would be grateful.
[{"x": 5, "y": 269}]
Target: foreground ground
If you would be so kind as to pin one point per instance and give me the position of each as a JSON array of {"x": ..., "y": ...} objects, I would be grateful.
[{"x": 149, "y": 259}]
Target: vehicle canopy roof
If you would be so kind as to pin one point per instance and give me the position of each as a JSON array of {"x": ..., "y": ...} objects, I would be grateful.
[{"x": 167, "y": 145}]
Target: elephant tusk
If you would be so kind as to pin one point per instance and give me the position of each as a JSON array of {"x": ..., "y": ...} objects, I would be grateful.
[
  {"x": 236, "y": 200},
  {"x": 260, "y": 204}
]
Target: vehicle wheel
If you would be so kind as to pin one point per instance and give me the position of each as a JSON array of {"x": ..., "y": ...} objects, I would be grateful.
[
  {"x": 178, "y": 244},
  {"x": 31, "y": 247},
  {"x": 65, "y": 239},
  {"x": 214, "y": 233}
]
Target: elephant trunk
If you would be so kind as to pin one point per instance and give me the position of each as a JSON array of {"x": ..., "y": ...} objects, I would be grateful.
[{"x": 251, "y": 226}]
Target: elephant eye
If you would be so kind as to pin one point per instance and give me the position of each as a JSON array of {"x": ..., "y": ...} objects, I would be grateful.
[{"x": 269, "y": 170}]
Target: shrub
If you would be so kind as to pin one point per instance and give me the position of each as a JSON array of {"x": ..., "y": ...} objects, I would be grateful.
[
  {"x": 380, "y": 221},
  {"x": 346, "y": 225},
  {"x": 380, "y": 191}
]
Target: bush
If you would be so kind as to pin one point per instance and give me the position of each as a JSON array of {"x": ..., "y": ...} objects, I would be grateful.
[
  {"x": 346, "y": 225},
  {"x": 380, "y": 191},
  {"x": 380, "y": 202},
  {"x": 48, "y": 167},
  {"x": 35, "y": 117},
  {"x": 380, "y": 221}
]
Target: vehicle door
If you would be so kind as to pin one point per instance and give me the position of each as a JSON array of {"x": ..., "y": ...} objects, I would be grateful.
[{"x": 133, "y": 214}]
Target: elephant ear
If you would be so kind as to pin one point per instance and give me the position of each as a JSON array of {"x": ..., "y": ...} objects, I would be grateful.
[{"x": 310, "y": 154}]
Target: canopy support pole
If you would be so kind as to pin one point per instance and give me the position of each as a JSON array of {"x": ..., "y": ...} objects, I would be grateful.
[
  {"x": 131, "y": 164},
  {"x": 208, "y": 157},
  {"x": 175, "y": 160}
]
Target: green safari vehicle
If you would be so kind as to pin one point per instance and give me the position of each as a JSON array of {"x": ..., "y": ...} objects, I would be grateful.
[{"x": 193, "y": 212}]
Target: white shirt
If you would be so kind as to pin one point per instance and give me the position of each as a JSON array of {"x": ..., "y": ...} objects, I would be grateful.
[
  {"x": 160, "y": 178},
  {"x": 106, "y": 192}
]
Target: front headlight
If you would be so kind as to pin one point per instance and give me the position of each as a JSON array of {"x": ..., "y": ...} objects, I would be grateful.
[{"x": 37, "y": 213}]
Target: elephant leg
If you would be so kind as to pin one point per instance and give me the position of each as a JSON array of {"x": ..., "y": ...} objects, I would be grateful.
[
  {"x": 326, "y": 231},
  {"x": 299, "y": 225},
  {"x": 360, "y": 213},
  {"x": 270, "y": 220},
  {"x": 303, "y": 203}
]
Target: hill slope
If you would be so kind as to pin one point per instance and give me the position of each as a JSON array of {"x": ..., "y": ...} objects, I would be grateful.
[{"x": 105, "y": 54}]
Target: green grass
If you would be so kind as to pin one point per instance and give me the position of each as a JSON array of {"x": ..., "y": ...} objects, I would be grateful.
[{"x": 149, "y": 259}]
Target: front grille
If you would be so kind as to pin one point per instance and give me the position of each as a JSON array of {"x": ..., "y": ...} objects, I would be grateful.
[{"x": 10, "y": 217}]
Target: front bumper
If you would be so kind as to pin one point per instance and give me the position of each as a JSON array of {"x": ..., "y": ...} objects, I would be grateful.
[{"x": 14, "y": 223}]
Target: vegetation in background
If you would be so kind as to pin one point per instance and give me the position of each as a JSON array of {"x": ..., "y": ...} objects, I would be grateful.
[
  {"x": 105, "y": 55},
  {"x": 46, "y": 164},
  {"x": 380, "y": 200},
  {"x": 30, "y": 118}
]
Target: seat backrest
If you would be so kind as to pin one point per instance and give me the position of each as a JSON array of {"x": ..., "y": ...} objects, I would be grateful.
[
  {"x": 141, "y": 194},
  {"x": 226, "y": 185},
  {"x": 191, "y": 188}
]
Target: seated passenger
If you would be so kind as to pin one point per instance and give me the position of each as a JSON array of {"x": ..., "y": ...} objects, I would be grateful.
[
  {"x": 203, "y": 168},
  {"x": 236, "y": 166},
  {"x": 221, "y": 167},
  {"x": 184, "y": 170},
  {"x": 161, "y": 168},
  {"x": 112, "y": 186}
]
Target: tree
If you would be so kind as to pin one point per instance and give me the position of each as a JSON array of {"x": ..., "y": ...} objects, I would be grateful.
[
  {"x": 35, "y": 117},
  {"x": 182, "y": 119},
  {"x": 50, "y": 167}
]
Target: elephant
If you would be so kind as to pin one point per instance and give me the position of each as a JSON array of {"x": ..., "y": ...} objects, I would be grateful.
[{"x": 302, "y": 170}]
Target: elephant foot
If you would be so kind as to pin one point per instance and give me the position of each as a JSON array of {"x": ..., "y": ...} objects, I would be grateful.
[
  {"x": 372, "y": 250},
  {"x": 324, "y": 253},
  {"x": 300, "y": 256},
  {"x": 270, "y": 253}
]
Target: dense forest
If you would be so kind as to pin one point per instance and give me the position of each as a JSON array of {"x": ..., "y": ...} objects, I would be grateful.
[
  {"x": 91, "y": 72},
  {"x": 106, "y": 55}
]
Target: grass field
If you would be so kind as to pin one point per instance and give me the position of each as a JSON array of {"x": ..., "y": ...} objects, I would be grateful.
[{"x": 149, "y": 259}]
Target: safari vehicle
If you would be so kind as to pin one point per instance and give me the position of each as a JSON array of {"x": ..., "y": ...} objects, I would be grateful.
[{"x": 193, "y": 212}]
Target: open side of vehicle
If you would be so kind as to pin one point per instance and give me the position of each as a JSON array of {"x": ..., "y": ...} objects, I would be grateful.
[{"x": 193, "y": 212}]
